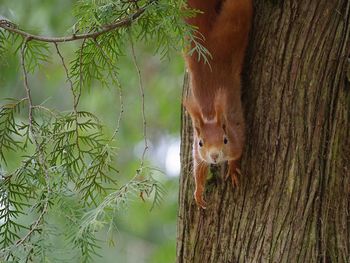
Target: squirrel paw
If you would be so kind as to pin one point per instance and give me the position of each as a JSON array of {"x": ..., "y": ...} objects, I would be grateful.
[
  {"x": 199, "y": 200},
  {"x": 233, "y": 171}
]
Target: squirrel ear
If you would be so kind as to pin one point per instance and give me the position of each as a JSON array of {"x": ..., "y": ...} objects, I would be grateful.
[
  {"x": 196, "y": 115},
  {"x": 220, "y": 105},
  {"x": 198, "y": 130},
  {"x": 224, "y": 127}
]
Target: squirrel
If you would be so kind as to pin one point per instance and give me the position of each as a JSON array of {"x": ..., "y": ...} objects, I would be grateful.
[{"x": 215, "y": 103}]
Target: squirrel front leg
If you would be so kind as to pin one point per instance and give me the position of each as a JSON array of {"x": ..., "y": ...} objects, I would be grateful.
[
  {"x": 233, "y": 171},
  {"x": 200, "y": 176}
]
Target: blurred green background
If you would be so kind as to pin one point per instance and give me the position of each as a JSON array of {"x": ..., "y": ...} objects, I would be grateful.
[{"x": 144, "y": 235}]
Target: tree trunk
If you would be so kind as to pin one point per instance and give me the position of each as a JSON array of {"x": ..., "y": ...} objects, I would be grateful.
[{"x": 293, "y": 201}]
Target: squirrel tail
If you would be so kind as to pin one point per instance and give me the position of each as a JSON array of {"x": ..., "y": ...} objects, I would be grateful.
[
  {"x": 225, "y": 26},
  {"x": 231, "y": 30}
]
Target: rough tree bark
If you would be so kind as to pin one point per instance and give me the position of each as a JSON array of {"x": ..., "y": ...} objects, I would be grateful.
[{"x": 293, "y": 202}]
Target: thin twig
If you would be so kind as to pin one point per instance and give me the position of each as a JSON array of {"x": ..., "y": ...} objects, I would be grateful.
[
  {"x": 105, "y": 28},
  {"x": 77, "y": 99},
  {"x": 114, "y": 76},
  {"x": 41, "y": 159},
  {"x": 142, "y": 93},
  {"x": 40, "y": 107},
  {"x": 26, "y": 86},
  {"x": 75, "y": 96},
  {"x": 71, "y": 86},
  {"x": 120, "y": 112}
]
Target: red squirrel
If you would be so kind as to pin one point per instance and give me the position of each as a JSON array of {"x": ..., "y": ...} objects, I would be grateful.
[{"x": 215, "y": 102}]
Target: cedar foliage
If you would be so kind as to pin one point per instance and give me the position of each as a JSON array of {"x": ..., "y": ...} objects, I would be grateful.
[{"x": 68, "y": 162}]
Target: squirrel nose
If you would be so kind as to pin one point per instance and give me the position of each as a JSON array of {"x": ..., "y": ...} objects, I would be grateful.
[{"x": 214, "y": 156}]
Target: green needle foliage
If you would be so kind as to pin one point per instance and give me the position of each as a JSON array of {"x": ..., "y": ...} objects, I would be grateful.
[{"x": 68, "y": 162}]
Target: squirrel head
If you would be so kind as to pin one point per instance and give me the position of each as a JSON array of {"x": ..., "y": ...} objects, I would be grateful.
[{"x": 213, "y": 141}]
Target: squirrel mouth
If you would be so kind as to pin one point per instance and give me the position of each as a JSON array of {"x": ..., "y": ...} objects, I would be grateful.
[{"x": 214, "y": 158}]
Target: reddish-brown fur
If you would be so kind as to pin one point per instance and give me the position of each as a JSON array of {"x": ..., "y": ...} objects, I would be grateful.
[{"x": 215, "y": 105}]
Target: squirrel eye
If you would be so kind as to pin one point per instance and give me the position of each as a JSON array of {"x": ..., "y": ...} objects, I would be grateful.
[
  {"x": 200, "y": 143},
  {"x": 225, "y": 140}
]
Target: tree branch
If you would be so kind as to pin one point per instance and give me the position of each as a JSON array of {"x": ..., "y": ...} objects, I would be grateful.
[{"x": 8, "y": 25}]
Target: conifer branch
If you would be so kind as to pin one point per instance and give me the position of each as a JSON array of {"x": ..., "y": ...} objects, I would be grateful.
[
  {"x": 73, "y": 145},
  {"x": 92, "y": 35}
]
